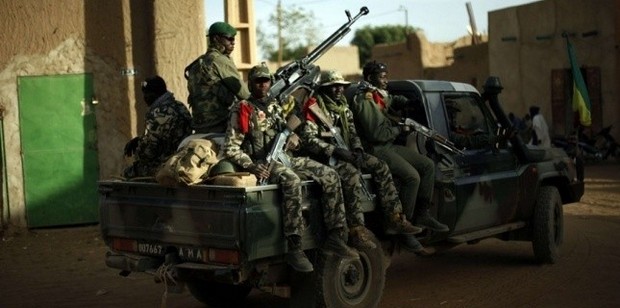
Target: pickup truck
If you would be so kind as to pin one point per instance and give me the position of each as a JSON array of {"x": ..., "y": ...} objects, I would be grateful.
[{"x": 222, "y": 241}]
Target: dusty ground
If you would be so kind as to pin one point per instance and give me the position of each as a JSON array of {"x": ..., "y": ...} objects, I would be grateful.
[{"x": 64, "y": 267}]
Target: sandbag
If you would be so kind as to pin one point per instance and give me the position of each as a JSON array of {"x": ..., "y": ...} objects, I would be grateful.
[{"x": 189, "y": 165}]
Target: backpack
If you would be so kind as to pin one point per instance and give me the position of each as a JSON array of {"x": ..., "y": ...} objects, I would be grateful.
[{"x": 189, "y": 165}]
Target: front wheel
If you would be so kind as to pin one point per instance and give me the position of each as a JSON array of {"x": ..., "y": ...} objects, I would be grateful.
[
  {"x": 548, "y": 225},
  {"x": 217, "y": 294},
  {"x": 351, "y": 283}
]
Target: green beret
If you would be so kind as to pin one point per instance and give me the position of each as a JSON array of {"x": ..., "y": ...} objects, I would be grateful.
[{"x": 222, "y": 28}]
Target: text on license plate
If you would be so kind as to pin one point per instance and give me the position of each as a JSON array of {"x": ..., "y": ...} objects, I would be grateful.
[{"x": 185, "y": 253}]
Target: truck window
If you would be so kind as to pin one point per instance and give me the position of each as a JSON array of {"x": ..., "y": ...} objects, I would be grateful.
[{"x": 465, "y": 115}]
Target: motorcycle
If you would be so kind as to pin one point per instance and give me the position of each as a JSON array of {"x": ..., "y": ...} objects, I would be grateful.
[
  {"x": 581, "y": 149},
  {"x": 599, "y": 147},
  {"x": 606, "y": 144}
]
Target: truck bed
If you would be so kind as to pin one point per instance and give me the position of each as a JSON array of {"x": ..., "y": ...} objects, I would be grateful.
[{"x": 246, "y": 219}]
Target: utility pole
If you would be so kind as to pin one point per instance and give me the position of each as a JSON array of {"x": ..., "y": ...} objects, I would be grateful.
[
  {"x": 403, "y": 8},
  {"x": 280, "y": 43}
]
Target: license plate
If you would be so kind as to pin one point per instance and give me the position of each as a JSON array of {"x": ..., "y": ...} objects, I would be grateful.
[
  {"x": 151, "y": 249},
  {"x": 184, "y": 252}
]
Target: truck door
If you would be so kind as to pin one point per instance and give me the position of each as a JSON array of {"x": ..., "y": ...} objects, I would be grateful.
[{"x": 485, "y": 176}]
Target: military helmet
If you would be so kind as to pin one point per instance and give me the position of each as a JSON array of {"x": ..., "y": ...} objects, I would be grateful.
[
  {"x": 259, "y": 71},
  {"x": 222, "y": 28},
  {"x": 222, "y": 167},
  {"x": 331, "y": 77}
]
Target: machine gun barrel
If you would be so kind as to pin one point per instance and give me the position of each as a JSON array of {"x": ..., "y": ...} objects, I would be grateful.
[
  {"x": 319, "y": 50},
  {"x": 290, "y": 76}
]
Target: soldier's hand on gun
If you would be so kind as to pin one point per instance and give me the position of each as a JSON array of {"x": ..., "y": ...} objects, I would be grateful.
[
  {"x": 131, "y": 146},
  {"x": 409, "y": 122},
  {"x": 292, "y": 143},
  {"x": 261, "y": 171}
]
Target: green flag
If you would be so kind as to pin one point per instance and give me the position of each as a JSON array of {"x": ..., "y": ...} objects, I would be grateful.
[{"x": 581, "y": 100}]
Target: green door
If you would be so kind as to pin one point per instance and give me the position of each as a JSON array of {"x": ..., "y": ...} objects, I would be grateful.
[{"x": 59, "y": 154}]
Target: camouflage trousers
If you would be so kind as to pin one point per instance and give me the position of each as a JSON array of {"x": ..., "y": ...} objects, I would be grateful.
[
  {"x": 304, "y": 168},
  {"x": 351, "y": 179},
  {"x": 415, "y": 172}
]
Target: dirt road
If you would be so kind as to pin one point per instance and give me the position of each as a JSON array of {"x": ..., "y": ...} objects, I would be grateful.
[{"x": 64, "y": 267}]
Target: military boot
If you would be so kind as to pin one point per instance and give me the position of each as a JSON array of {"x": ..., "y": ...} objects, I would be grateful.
[
  {"x": 361, "y": 238},
  {"x": 411, "y": 244},
  {"x": 396, "y": 223},
  {"x": 295, "y": 257},
  {"x": 424, "y": 219},
  {"x": 336, "y": 243}
]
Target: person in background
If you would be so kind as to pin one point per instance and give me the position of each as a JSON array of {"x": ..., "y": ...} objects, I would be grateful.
[
  {"x": 252, "y": 129},
  {"x": 167, "y": 122},
  {"x": 213, "y": 82},
  {"x": 540, "y": 130},
  {"x": 350, "y": 161},
  {"x": 416, "y": 172}
]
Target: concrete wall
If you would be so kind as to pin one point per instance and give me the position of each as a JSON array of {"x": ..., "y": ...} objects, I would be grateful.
[
  {"x": 526, "y": 44},
  {"x": 52, "y": 37}
]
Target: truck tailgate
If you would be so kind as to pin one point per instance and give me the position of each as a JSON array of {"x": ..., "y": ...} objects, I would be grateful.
[{"x": 194, "y": 216}]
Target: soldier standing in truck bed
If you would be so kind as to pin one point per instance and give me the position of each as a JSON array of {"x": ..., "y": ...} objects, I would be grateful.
[
  {"x": 253, "y": 127},
  {"x": 213, "y": 82}
]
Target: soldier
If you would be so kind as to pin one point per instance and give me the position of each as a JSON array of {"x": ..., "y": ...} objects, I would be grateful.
[
  {"x": 415, "y": 171},
  {"x": 252, "y": 129},
  {"x": 167, "y": 122},
  {"x": 320, "y": 142},
  {"x": 213, "y": 82}
]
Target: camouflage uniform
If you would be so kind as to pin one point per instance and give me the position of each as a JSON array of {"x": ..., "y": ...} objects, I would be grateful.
[
  {"x": 214, "y": 84},
  {"x": 319, "y": 142},
  {"x": 167, "y": 123},
  {"x": 245, "y": 149}
]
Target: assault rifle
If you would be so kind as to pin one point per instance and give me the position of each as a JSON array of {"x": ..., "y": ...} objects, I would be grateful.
[
  {"x": 433, "y": 135},
  {"x": 284, "y": 140},
  {"x": 302, "y": 72},
  {"x": 316, "y": 110}
]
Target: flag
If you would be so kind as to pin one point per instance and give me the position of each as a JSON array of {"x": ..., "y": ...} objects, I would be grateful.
[{"x": 581, "y": 100}]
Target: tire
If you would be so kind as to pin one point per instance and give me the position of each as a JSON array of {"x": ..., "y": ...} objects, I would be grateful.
[
  {"x": 351, "y": 283},
  {"x": 548, "y": 225},
  {"x": 216, "y": 294}
]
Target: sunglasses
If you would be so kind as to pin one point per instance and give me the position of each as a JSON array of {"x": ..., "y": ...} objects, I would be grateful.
[{"x": 228, "y": 38}]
